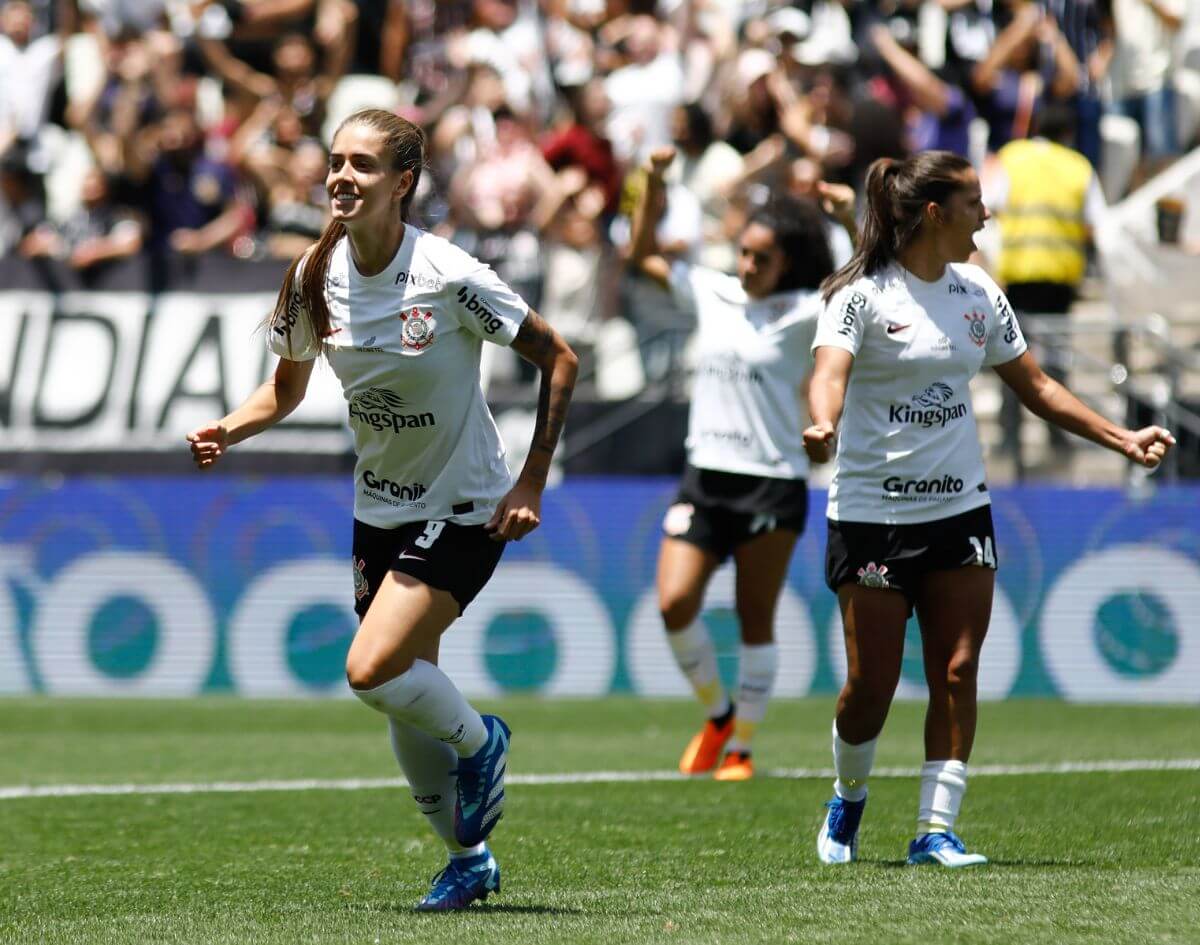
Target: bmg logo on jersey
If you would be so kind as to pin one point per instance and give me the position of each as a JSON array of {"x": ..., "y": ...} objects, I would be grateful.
[
  {"x": 851, "y": 312},
  {"x": 291, "y": 314},
  {"x": 490, "y": 321},
  {"x": 382, "y": 409}
]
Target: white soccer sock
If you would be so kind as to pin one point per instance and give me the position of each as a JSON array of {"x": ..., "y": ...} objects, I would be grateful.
[
  {"x": 427, "y": 763},
  {"x": 943, "y": 784},
  {"x": 853, "y": 766},
  {"x": 697, "y": 659},
  {"x": 757, "y": 665},
  {"x": 425, "y": 698}
]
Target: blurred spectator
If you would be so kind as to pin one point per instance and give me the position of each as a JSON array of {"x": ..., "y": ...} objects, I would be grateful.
[
  {"x": 1088, "y": 29},
  {"x": 1142, "y": 73},
  {"x": 708, "y": 169},
  {"x": 294, "y": 77},
  {"x": 128, "y": 102},
  {"x": 754, "y": 112},
  {"x": 836, "y": 202},
  {"x": 645, "y": 88},
  {"x": 30, "y": 69},
  {"x": 937, "y": 114},
  {"x": 100, "y": 231},
  {"x": 22, "y": 199},
  {"x": 582, "y": 142},
  {"x": 970, "y": 33},
  {"x": 191, "y": 199},
  {"x": 505, "y": 35},
  {"x": 297, "y": 204},
  {"x": 1030, "y": 62},
  {"x": 382, "y": 39},
  {"x": 1047, "y": 199},
  {"x": 570, "y": 220},
  {"x": 492, "y": 199}
]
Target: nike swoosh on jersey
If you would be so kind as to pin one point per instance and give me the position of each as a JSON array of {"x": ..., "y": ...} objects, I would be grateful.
[
  {"x": 892, "y": 329},
  {"x": 401, "y": 557}
]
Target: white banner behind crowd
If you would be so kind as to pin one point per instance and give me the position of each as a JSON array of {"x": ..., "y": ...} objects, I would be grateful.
[{"x": 131, "y": 371}]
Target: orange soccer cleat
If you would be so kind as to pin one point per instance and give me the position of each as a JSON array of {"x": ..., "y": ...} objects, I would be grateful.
[
  {"x": 704, "y": 750},
  {"x": 737, "y": 766}
]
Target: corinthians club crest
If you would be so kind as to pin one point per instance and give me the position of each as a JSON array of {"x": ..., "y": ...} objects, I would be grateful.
[
  {"x": 417, "y": 326},
  {"x": 977, "y": 327}
]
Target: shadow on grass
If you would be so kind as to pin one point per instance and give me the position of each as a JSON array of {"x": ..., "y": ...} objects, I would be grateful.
[
  {"x": 501, "y": 909},
  {"x": 1006, "y": 864}
]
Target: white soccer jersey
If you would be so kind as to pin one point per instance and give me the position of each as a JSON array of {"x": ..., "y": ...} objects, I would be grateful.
[
  {"x": 908, "y": 450},
  {"x": 405, "y": 345},
  {"x": 752, "y": 356}
]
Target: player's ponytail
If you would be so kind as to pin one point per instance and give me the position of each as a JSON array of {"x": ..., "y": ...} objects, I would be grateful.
[
  {"x": 897, "y": 194},
  {"x": 405, "y": 143}
]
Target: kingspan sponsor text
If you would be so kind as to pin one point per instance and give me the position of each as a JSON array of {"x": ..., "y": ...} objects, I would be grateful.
[
  {"x": 387, "y": 420},
  {"x": 926, "y": 416}
]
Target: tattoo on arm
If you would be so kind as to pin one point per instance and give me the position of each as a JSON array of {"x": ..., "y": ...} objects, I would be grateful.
[
  {"x": 537, "y": 342},
  {"x": 535, "y": 339}
]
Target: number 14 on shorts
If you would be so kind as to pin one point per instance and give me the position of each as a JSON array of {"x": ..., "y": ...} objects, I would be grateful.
[{"x": 985, "y": 552}]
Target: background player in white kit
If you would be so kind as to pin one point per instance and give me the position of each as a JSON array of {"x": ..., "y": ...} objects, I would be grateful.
[
  {"x": 401, "y": 316},
  {"x": 907, "y": 325},
  {"x": 743, "y": 492}
]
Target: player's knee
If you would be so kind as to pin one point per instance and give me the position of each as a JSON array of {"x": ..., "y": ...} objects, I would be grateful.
[
  {"x": 678, "y": 610},
  {"x": 962, "y": 673},
  {"x": 868, "y": 696},
  {"x": 757, "y": 621},
  {"x": 366, "y": 670}
]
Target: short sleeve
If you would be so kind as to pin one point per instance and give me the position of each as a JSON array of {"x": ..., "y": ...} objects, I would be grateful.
[
  {"x": 1006, "y": 342},
  {"x": 679, "y": 282},
  {"x": 290, "y": 333},
  {"x": 486, "y": 306},
  {"x": 842, "y": 323}
]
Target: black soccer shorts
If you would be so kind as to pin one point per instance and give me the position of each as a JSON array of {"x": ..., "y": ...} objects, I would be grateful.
[
  {"x": 458, "y": 559},
  {"x": 895, "y": 557},
  {"x": 718, "y": 511}
]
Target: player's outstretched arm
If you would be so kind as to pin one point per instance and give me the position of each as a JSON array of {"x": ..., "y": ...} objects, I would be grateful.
[
  {"x": 1052, "y": 402},
  {"x": 826, "y": 398},
  {"x": 519, "y": 512},
  {"x": 643, "y": 248},
  {"x": 271, "y": 402}
]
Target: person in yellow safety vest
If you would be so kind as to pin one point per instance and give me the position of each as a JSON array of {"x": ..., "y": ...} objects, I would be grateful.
[{"x": 1047, "y": 200}]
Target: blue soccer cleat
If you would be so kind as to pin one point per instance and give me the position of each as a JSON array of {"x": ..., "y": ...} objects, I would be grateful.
[
  {"x": 944, "y": 849},
  {"x": 462, "y": 882},
  {"x": 838, "y": 840},
  {"x": 480, "y": 800}
]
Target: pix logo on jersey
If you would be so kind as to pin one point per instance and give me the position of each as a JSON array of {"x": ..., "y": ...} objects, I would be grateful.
[
  {"x": 417, "y": 327},
  {"x": 472, "y": 303},
  {"x": 977, "y": 327}
]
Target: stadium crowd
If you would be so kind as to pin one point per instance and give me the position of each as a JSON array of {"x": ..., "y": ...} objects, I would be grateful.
[{"x": 177, "y": 127}]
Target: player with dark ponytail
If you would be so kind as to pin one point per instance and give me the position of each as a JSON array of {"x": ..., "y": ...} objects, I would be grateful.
[{"x": 907, "y": 324}]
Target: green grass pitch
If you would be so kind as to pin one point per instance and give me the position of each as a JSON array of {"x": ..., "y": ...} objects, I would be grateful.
[{"x": 1104, "y": 857}]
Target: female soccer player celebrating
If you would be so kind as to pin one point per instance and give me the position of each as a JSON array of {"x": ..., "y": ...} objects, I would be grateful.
[
  {"x": 906, "y": 327},
  {"x": 401, "y": 316},
  {"x": 743, "y": 492}
]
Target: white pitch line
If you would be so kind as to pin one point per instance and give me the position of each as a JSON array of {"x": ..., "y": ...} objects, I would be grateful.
[{"x": 23, "y": 791}]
